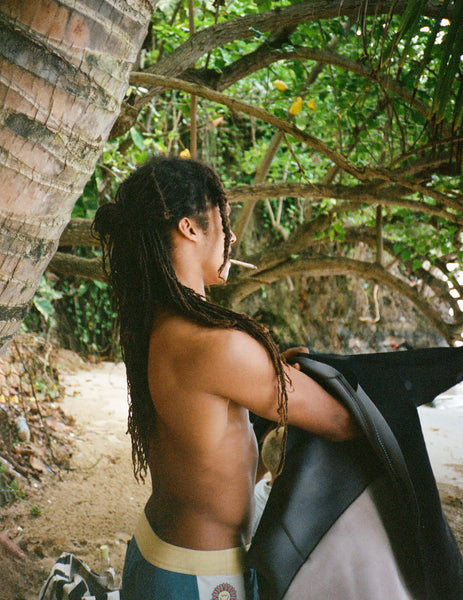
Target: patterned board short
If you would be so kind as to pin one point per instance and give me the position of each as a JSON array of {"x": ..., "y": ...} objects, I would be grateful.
[{"x": 156, "y": 570}]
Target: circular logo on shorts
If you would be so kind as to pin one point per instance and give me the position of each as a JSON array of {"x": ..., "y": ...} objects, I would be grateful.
[{"x": 224, "y": 591}]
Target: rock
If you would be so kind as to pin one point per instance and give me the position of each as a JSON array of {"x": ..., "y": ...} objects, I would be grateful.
[{"x": 7, "y": 546}]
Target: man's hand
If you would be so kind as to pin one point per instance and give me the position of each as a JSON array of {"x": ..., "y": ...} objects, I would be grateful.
[{"x": 290, "y": 353}]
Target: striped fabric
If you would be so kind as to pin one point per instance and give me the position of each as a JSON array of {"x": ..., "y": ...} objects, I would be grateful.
[{"x": 71, "y": 579}]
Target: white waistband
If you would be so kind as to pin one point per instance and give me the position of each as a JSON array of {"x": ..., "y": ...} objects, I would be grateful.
[{"x": 186, "y": 560}]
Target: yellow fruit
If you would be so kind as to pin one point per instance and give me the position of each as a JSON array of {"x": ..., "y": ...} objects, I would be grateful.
[
  {"x": 218, "y": 121},
  {"x": 296, "y": 106},
  {"x": 280, "y": 85},
  {"x": 185, "y": 153},
  {"x": 311, "y": 104}
]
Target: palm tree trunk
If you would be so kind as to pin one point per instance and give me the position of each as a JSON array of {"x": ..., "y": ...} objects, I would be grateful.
[{"x": 64, "y": 69}]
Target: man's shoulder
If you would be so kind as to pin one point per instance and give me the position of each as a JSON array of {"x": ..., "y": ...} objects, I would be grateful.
[
  {"x": 230, "y": 354},
  {"x": 204, "y": 343},
  {"x": 227, "y": 342}
]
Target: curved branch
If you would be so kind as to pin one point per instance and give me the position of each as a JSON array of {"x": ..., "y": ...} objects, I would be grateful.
[
  {"x": 361, "y": 194},
  {"x": 361, "y": 173},
  {"x": 220, "y": 34},
  {"x": 317, "y": 267},
  {"x": 265, "y": 56},
  {"x": 438, "y": 286},
  {"x": 323, "y": 267},
  {"x": 240, "y": 28},
  {"x": 273, "y": 268},
  {"x": 299, "y": 241},
  {"x": 253, "y": 111},
  {"x": 241, "y": 68},
  {"x": 77, "y": 232},
  {"x": 67, "y": 264},
  {"x": 305, "y": 237}
]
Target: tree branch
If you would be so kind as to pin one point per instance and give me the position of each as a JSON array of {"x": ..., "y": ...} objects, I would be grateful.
[
  {"x": 437, "y": 285},
  {"x": 77, "y": 232},
  {"x": 215, "y": 36},
  {"x": 272, "y": 149},
  {"x": 67, "y": 264},
  {"x": 240, "y": 28},
  {"x": 361, "y": 173},
  {"x": 252, "y": 62},
  {"x": 253, "y": 111},
  {"x": 328, "y": 266},
  {"x": 259, "y": 60},
  {"x": 299, "y": 241},
  {"x": 264, "y": 56},
  {"x": 367, "y": 193},
  {"x": 274, "y": 264}
]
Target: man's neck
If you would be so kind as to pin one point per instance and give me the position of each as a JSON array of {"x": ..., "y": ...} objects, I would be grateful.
[{"x": 188, "y": 275}]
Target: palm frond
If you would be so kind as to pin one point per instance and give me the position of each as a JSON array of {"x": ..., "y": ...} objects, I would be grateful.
[
  {"x": 449, "y": 64},
  {"x": 408, "y": 27},
  {"x": 458, "y": 113},
  {"x": 430, "y": 44}
]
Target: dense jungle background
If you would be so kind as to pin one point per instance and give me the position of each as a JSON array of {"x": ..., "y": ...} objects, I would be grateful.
[
  {"x": 337, "y": 130},
  {"x": 352, "y": 211}
]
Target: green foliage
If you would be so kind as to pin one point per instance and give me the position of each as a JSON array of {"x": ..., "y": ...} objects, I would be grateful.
[
  {"x": 90, "y": 314},
  {"x": 42, "y": 315},
  {"x": 87, "y": 203},
  {"x": 387, "y": 113},
  {"x": 82, "y": 312},
  {"x": 35, "y": 511},
  {"x": 9, "y": 489},
  {"x": 10, "y": 492}
]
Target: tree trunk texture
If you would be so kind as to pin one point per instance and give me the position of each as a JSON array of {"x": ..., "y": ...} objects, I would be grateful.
[{"x": 64, "y": 69}]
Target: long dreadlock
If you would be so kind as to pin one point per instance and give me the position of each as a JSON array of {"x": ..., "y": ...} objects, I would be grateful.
[{"x": 135, "y": 232}]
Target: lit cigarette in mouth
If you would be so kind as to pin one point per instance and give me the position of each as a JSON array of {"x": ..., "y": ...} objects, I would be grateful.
[{"x": 240, "y": 263}]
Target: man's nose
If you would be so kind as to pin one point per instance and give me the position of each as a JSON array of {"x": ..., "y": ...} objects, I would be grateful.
[{"x": 232, "y": 237}]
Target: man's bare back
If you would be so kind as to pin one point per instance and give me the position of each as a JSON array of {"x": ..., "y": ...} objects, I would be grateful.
[{"x": 203, "y": 459}]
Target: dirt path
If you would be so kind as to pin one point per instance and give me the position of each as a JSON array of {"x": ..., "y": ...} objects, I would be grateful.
[{"x": 98, "y": 501}]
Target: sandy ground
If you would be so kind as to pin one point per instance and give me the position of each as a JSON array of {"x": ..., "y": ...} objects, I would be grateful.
[
  {"x": 443, "y": 433},
  {"x": 98, "y": 501}
]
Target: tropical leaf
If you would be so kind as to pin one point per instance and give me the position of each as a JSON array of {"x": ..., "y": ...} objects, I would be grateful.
[
  {"x": 450, "y": 64},
  {"x": 408, "y": 28},
  {"x": 458, "y": 113},
  {"x": 410, "y": 25},
  {"x": 430, "y": 44},
  {"x": 449, "y": 60}
]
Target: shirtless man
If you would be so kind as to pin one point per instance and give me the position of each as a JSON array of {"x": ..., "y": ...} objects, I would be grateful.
[{"x": 194, "y": 370}]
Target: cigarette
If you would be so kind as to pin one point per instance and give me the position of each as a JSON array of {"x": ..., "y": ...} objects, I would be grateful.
[{"x": 240, "y": 263}]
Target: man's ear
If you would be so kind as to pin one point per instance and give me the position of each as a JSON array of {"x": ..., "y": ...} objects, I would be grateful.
[{"x": 188, "y": 228}]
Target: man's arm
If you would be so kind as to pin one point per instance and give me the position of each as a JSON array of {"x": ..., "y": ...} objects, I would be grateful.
[{"x": 237, "y": 367}]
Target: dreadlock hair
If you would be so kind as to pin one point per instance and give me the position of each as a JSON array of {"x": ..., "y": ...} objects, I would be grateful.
[{"x": 135, "y": 232}]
